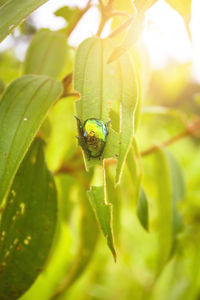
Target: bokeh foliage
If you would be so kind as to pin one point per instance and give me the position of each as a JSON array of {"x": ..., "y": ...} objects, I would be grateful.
[{"x": 58, "y": 209}]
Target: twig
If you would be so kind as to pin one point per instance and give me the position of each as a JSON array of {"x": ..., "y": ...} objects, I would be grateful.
[
  {"x": 82, "y": 12},
  {"x": 190, "y": 131},
  {"x": 106, "y": 14}
]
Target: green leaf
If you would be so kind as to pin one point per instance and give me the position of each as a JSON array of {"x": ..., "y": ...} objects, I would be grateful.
[
  {"x": 46, "y": 54},
  {"x": 23, "y": 107},
  {"x": 2, "y": 86},
  {"x": 183, "y": 7},
  {"x": 135, "y": 169},
  {"x": 103, "y": 213},
  {"x": 128, "y": 100},
  {"x": 98, "y": 85},
  {"x": 113, "y": 195},
  {"x": 164, "y": 209},
  {"x": 170, "y": 190},
  {"x": 13, "y": 12},
  {"x": 177, "y": 191},
  {"x": 101, "y": 86},
  {"x": 70, "y": 14},
  {"x": 27, "y": 225},
  {"x": 142, "y": 210}
]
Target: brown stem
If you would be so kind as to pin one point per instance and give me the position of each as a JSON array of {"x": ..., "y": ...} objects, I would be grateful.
[{"x": 190, "y": 131}]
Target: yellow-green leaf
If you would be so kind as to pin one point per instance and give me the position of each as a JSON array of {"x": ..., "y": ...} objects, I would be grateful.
[
  {"x": 103, "y": 213},
  {"x": 128, "y": 101},
  {"x": 13, "y": 12},
  {"x": 142, "y": 210},
  {"x": 170, "y": 190},
  {"x": 183, "y": 7}
]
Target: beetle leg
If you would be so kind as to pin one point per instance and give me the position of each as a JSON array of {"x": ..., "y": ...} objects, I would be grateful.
[
  {"x": 108, "y": 123},
  {"x": 80, "y": 126}
]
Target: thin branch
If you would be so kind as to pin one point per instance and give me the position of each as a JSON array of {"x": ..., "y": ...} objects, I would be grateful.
[
  {"x": 190, "y": 131},
  {"x": 82, "y": 12}
]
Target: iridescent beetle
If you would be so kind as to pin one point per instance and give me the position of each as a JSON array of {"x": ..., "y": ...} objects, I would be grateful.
[{"x": 92, "y": 136}]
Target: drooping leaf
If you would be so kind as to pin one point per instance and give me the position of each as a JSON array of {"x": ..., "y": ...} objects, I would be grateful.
[
  {"x": 128, "y": 101},
  {"x": 142, "y": 210},
  {"x": 177, "y": 191},
  {"x": 133, "y": 34},
  {"x": 164, "y": 209},
  {"x": 27, "y": 225},
  {"x": 46, "y": 54},
  {"x": 135, "y": 169},
  {"x": 113, "y": 197},
  {"x": 13, "y": 12},
  {"x": 183, "y": 7},
  {"x": 23, "y": 107},
  {"x": 171, "y": 189},
  {"x": 103, "y": 213}
]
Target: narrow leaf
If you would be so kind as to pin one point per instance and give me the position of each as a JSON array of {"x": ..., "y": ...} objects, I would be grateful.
[
  {"x": 177, "y": 191},
  {"x": 142, "y": 210},
  {"x": 128, "y": 101},
  {"x": 27, "y": 225},
  {"x": 103, "y": 213},
  {"x": 46, "y": 54},
  {"x": 13, "y": 12},
  {"x": 171, "y": 189},
  {"x": 164, "y": 209},
  {"x": 183, "y": 7},
  {"x": 134, "y": 32},
  {"x": 23, "y": 107}
]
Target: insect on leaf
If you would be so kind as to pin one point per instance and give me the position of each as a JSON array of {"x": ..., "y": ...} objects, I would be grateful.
[{"x": 98, "y": 85}]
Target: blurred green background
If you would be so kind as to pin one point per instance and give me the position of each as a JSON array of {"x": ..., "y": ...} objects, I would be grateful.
[{"x": 171, "y": 104}]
